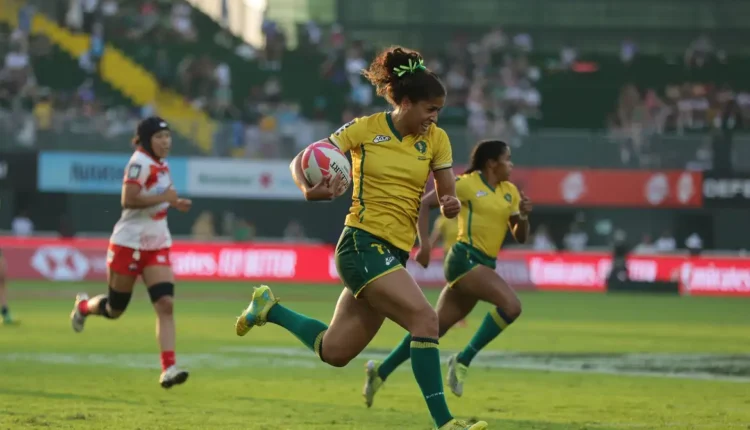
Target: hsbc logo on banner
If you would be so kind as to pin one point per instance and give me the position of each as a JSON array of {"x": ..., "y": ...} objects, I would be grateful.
[
  {"x": 726, "y": 191},
  {"x": 60, "y": 263}
]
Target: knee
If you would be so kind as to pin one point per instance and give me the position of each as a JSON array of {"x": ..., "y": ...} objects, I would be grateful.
[
  {"x": 164, "y": 306},
  {"x": 424, "y": 323},
  {"x": 114, "y": 305},
  {"x": 162, "y": 297},
  {"x": 511, "y": 310},
  {"x": 336, "y": 358},
  {"x": 114, "y": 313}
]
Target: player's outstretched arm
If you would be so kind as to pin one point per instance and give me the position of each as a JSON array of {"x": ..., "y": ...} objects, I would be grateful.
[{"x": 131, "y": 197}]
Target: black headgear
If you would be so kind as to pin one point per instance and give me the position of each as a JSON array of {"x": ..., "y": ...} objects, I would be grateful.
[{"x": 146, "y": 129}]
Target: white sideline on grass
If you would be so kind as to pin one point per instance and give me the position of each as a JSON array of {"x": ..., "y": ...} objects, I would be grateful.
[{"x": 686, "y": 366}]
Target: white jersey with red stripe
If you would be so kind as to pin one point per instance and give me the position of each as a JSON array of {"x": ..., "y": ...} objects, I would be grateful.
[{"x": 145, "y": 228}]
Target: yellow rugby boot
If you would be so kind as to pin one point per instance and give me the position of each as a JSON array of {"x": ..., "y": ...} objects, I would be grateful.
[
  {"x": 256, "y": 312},
  {"x": 456, "y": 375},
  {"x": 463, "y": 425},
  {"x": 373, "y": 381}
]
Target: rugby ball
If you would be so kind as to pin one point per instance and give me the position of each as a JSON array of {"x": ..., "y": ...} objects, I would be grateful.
[{"x": 321, "y": 160}]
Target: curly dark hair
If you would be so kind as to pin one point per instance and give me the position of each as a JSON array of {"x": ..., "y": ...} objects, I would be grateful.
[{"x": 417, "y": 85}]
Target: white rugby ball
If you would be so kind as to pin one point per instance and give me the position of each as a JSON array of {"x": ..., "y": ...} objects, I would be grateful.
[{"x": 323, "y": 159}]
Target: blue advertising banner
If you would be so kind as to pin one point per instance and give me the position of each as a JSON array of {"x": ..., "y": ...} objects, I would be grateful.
[{"x": 91, "y": 173}]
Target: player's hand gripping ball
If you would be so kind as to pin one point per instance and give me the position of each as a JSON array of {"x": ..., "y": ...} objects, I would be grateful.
[{"x": 323, "y": 161}]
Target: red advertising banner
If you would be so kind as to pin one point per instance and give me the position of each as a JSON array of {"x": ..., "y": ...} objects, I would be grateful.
[
  {"x": 612, "y": 188},
  {"x": 85, "y": 259}
]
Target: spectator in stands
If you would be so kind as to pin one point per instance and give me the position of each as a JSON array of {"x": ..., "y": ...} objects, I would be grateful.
[
  {"x": 646, "y": 245},
  {"x": 542, "y": 240},
  {"x": 66, "y": 229},
  {"x": 666, "y": 242},
  {"x": 163, "y": 69},
  {"x": 43, "y": 112},
  {"x": 203, "y": 227},
  {"x": 90, "y": 14},
  {"x": 17, "y": 67},
  {"x": 694, "y": 244},
  {"x": 699, "y": 52},
  {"x": 22, "y": 226},
  {"x": 74, "y": 17},
  {"x": 628, "y": 51},
  {"x": 576, "y": 239},
  {"x": 181, "y": 21},
  {"x": 294, "y": 232},
  {"x": 244, "y": 231},
  {"x": 568, "y": 56},
  {"x": 96, "y": 46},
  {"x": 657, "y": 111}
]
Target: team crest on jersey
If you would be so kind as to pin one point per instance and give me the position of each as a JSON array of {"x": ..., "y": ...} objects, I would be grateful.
[
  {"x": 508, "y": 197},
  {"x": 134, "y": 171},
  {"x": 421, "y": 146},
  {"x": 380, "y": 138}
]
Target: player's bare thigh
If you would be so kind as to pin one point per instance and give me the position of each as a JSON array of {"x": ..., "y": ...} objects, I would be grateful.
[
  {"x": 353, "y": 326},
  {"x": 398, "y": 297},
  {"x": 486, "y": 285},
  {"x": 453, "y": 306},
  {"x": 120, "y": 282}
]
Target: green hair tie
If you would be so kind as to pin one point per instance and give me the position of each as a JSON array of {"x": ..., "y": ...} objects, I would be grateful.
[{"x": 411, "y": 68}]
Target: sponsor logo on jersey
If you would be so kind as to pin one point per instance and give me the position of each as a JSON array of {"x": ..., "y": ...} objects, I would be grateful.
[
  {"x": 481, "y": 193},
  {"x": 134, "y": 171},
  {"x": 344, "y": 127},
  {"x": 380, "y": 138}
]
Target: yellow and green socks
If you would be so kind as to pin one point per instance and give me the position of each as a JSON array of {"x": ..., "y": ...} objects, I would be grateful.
[
  {"x": 309, "y": 331},
  {"x": 494, "y": 323},
  {"x": 399, "y": 355},
  {"x": 425, "y": 362}
]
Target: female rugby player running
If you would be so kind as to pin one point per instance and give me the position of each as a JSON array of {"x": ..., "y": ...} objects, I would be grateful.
[
  {"x": 392, "y": 156},
  {"x": 445, "y": 231},
  {"x": 489, "y": 206},
  {"x": 4, "y": 311},
  {"x": 139, "y": 245}
]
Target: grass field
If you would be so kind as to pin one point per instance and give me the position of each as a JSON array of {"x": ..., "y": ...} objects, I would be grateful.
[{"x": 573, "y": 361}]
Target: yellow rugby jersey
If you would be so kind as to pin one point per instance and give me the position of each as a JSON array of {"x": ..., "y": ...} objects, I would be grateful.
[
  {"x": 448, "y": 228},
  {"x": 389, "y": 173},
  {"x": 485, "y": 212}
]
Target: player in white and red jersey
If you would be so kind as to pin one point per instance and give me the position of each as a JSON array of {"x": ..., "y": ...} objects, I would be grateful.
[{"x": 140, "y": 242}]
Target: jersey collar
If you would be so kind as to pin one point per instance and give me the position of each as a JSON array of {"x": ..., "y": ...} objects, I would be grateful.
[
  {"x": 485, "y": 182},
  {"x": 142, "y": 151},
  {"x": 395, "y": 132}
]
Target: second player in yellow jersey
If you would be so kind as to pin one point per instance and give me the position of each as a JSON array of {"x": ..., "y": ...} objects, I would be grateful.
[
  {"x": 490, "y": 206},
  {"x": 393, "y": 154},
  {"x": 444, "y": 230}
]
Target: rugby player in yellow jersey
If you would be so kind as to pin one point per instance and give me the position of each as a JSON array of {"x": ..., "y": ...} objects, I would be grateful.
[
  {"x": 490, "y": 205},
  {"x": 392, "y": 156},
  {"x": 445, "y": 230}
]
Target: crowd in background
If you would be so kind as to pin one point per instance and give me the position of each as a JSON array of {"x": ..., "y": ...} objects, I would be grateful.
[{"x": 492, "y": 83}]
